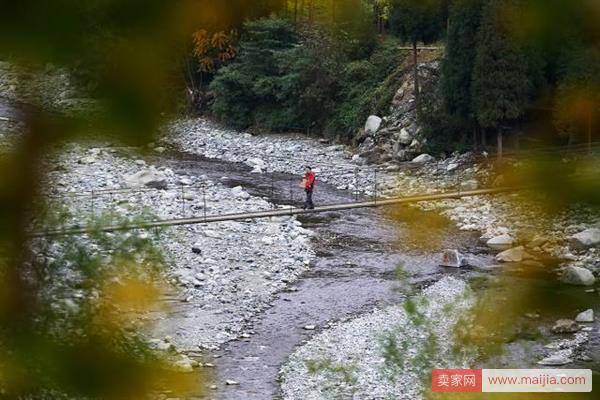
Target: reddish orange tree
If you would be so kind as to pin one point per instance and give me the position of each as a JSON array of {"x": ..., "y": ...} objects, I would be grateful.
[{"x": 209, "y": 51}]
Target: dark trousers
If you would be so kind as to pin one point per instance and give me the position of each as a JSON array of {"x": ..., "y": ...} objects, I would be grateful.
[{"x": 309, "y": 203}]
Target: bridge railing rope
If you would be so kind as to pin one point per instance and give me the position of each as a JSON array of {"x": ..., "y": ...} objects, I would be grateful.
[{"x": 193, "y": 198}]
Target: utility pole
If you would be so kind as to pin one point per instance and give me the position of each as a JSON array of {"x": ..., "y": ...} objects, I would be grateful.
[
  {"x": 296, "y": 13},
  {"x": 589, "y": 131},
  {"x": 333, "y": 12}
]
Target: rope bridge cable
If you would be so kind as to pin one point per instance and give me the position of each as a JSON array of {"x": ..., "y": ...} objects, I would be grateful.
[
  {"x": 287, "y": 211},
  {"x": 377, "y": 202}
]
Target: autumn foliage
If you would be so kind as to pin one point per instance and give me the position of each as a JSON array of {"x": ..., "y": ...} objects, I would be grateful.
[{"x": 213, "y": 50}]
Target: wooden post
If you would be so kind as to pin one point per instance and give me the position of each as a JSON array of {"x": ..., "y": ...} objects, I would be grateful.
[{"x": 416, "y": 74}]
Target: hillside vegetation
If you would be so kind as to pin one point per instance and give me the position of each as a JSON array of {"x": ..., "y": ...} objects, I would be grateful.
[{"x": 324, "y": 68}]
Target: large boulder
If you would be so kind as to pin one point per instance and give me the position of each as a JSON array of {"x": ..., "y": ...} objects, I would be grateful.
[
  {"x": 565, "y": 326},
  {"x": 372, "y": 125},
  {"x": 423, "y": 158},
  {"x": 516, "y": 254},
  {"x": 585, "y": 239},
  {"x": 585, "y": 316},
  {"x": 577, "y": 276},
  {"x": 148, "y": 177},
  {"x": 501, "y": 242}
]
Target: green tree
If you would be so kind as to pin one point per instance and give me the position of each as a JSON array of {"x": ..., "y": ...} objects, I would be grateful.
[
  {"x": 500, "y": 81},
  {"x": 417, "y": 21},
  {"x": 252, "y": 81},
  {"x": 457, "y": 66}
]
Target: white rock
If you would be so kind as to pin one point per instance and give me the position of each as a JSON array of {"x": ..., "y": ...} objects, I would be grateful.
[
  {"x": 240, "y": 193},
  {"x": 516, "y": 254},
  {"x": 585, "y": 316},
  {"x": 87, "y": 160},
  {"x": 184, "y": 365},
  {"x": 555, "y": 359},
  {"x": 147, "y": 177},
  {"x": 404, "y": 137},
  {"x": 423, "y": 158},
  {"x": 585, "y": 239},
  {"x": 577, "y": 276},
  {"x": 255, "y": 161},
  {"x": 372, "y": 125},
  {"x": 451, "y": 167},
  {"x": 501, "y": 242}
]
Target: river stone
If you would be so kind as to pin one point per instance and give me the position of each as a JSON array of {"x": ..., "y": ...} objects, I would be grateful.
[
  {"x": 516, "y": 254},
  {"x": 585, "y": 316},
  {"x": 451, "y": 167},
  {"x": 537, "y": 241},
  {"x": 147, "y": 177},
  {"x": 565, "y": 326},
  {"x": 404, "y": 138},
  {"x": 372, "y": 125},
  {"x": 577, "y": 276},
  {"x": 423, "y": 158},
  {"x": 470, "y": 184},
  {"x": 502, "y": 242},
  {"x": 240, "y": 193},
  {"x": 555, "y": 359},
  {"x": 452, "y": 258},
  {"x": 585, "y": 239},
  {"x": 256, "y": 161},
  {"x": 185, "y": 364}
]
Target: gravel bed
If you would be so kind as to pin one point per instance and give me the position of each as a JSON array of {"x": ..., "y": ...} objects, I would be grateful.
[
  {"x": 518, "y": 215},
  {"x": 352, "y": 360},
  {"x": 224, "y": 274}
]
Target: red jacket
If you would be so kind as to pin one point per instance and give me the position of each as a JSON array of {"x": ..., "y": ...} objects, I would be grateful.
[{"x": 309, "y": 180}]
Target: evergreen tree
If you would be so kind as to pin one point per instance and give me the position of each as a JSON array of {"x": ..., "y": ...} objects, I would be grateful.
[
  {"x": 457, "y": 66},
  {"x": 500, "y": 81},
  {"x": 417, "y": 21},
  {"x": 251, "y": 81}
]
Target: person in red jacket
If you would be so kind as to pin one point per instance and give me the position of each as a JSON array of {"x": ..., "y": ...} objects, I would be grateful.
[{"x": 308, "y": 182}]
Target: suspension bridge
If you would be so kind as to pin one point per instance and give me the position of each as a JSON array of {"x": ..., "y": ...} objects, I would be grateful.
[{"x": 284, "y": 211}]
